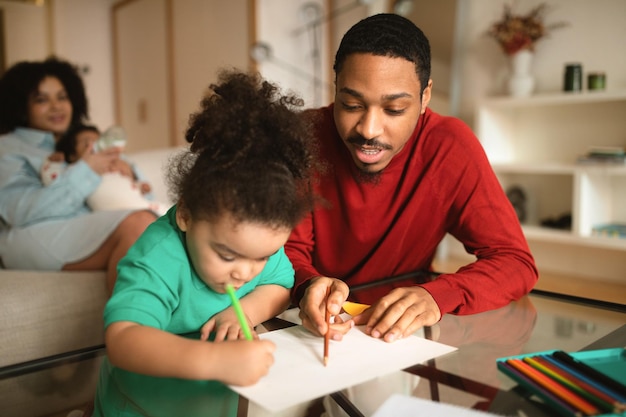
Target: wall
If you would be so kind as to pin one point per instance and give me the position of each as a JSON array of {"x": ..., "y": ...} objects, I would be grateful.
[
  {"x": 25, "y": 31},
  {"x": 212, "y": 33},
  {"x": 76, "y": 30},
  {"x": 81, "y": 34},
  {"x": 208, "y": 35},
  {"x": 596, "y": 37}
]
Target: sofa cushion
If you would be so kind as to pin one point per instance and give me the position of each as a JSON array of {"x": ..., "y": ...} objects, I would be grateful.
[{"x": 47, "y": 313}]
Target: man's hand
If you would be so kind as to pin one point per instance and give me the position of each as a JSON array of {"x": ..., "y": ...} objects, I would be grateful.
[
  {"x": 314, "y": 303},
  {"x": 400, "y": 313}
]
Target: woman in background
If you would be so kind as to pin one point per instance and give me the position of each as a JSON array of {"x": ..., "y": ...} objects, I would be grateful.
[{"x": 51, "y": 227}]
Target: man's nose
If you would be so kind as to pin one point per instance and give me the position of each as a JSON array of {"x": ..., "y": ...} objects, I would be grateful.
[{"x": 370, "y": 126}]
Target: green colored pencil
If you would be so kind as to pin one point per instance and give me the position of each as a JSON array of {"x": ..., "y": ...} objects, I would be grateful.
[{"x": 243, "y": 322}]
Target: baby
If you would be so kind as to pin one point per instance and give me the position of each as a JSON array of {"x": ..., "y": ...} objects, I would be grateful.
[{"x": 120, "y": 189}]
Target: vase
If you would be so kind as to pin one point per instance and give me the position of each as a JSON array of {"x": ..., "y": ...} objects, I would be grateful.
[{"x": 521, "y": 82}]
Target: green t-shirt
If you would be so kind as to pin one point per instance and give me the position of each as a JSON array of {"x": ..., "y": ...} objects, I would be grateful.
[{"x": 157, "y": 286}]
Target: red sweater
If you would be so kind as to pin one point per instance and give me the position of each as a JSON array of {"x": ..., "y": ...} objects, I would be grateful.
[{"x": 441, "y": 181}]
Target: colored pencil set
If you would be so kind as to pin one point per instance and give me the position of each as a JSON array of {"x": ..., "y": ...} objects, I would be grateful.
[{"x": 570, "y": 386}]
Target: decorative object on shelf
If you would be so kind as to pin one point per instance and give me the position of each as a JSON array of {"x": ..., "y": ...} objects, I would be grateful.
[
  {"x": 563, "y": 222},
  {"x": 517, "y": 34},
  {"x": 521, "y": 83},
  {"x": 573, "y": 77},
  {"x": 596, "y": 81},
  {"x": 517, "y": 197}
]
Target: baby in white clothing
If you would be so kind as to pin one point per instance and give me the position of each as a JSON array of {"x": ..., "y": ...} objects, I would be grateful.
[{"x": 120, "y": 189}]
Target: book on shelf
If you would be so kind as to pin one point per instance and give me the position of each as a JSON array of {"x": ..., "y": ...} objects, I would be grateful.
[
  {"x": 607, "y": 160},
  {"x": 617, "y": 230},
  {"x": 606, "y": 151},
  {"x": 604, "y": 155}
]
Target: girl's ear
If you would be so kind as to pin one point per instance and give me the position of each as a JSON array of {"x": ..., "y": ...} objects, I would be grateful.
[{"x": 183, "y": 217}]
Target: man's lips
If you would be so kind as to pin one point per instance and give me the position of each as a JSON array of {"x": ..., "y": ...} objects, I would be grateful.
[{"x": 369, "y": 155}]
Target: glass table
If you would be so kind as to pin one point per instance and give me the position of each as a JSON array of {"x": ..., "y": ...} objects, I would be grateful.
[{"x": 467, "y": 377}]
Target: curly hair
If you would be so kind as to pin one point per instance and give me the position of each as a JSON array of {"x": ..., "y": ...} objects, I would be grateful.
[
  {"x": 391, "y": 35},
  {"x": 21, "y": 81},
  {"x": 252, "y": 155}
]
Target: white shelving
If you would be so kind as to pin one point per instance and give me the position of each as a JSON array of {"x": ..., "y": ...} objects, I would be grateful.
[{"x": 534, "y": 143}]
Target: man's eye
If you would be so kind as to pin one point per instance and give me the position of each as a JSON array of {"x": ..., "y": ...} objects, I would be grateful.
[
  {"x": 350, "y": 107},
  {"x": 395, "y": 112}
]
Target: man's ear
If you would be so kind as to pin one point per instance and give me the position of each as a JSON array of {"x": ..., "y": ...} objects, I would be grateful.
[
  {"x": 183, "y": 217},
  {"x": 426, "y": 94}
]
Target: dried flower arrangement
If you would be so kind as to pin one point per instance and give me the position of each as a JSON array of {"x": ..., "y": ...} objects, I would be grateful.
[{"x": 517, "y": 32}]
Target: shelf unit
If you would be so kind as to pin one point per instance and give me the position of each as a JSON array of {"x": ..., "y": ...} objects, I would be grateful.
[{"x": 534, "y": 143}]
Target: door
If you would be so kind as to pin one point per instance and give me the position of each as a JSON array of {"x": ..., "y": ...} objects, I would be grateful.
[{"x": 142, "y": 71}]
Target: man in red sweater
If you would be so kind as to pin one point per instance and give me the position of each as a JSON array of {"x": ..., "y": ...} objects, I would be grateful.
[{"x": 399, "y": 178}]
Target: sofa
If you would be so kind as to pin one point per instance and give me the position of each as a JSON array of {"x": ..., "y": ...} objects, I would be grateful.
[{"x": 51, "y": 318}]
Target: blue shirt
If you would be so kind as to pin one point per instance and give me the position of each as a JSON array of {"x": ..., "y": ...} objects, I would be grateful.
[
  {"x": 24, "y": 200},
  {"x": 46, "y": 227}
]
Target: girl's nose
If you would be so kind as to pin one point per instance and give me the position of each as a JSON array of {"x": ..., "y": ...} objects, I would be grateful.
[{"x": 242, "y": 272}]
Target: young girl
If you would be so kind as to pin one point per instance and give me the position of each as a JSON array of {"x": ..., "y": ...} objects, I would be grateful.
[{"x": 243, "y": 185}]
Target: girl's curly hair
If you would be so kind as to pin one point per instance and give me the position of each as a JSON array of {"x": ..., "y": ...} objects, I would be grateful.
[{"x": 252, "y": 155}]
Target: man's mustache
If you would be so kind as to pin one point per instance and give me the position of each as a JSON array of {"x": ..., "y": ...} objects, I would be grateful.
[{"x": 359, "y": 140}]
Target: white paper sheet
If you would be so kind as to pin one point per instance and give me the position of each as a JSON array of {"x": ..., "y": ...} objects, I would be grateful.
[
  {"x": 403, "y": 406},
  {"x": 299, "y": 374}
]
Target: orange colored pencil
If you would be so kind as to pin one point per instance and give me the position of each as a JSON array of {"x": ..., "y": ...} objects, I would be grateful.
[
  {"x": 615, "y": 404},
  {"x": 559, "y": 377},
  {"x": 552, "y": 386},
  {"x": 327, "y": 335}
]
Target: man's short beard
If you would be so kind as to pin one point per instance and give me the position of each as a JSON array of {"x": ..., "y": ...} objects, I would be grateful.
[{"x": 366, "y": 177}]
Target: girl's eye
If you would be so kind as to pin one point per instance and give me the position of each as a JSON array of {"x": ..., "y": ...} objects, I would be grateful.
[{"x": 226, "y": 258}]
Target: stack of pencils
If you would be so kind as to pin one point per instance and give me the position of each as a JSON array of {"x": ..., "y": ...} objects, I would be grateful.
[{"x": 569, "y": 385}]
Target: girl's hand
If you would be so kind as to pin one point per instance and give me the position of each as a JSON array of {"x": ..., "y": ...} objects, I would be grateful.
[
  {"x": 226, "y": 327},
  {"x": 151, "y": 351},
  {"x": 243, "y": 362}
]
